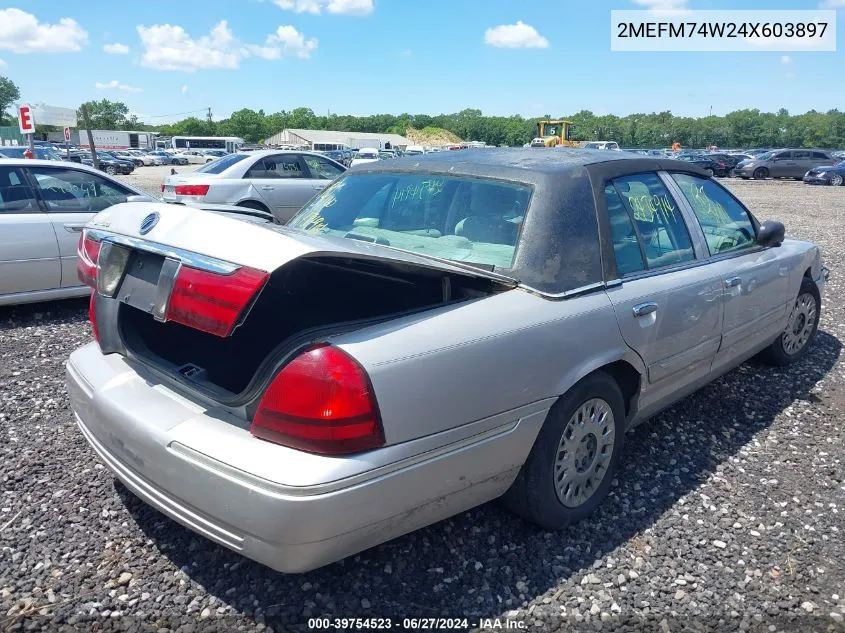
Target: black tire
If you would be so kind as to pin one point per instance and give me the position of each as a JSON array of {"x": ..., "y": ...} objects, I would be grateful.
[
  {"x": 533, "y": 494},
  {"x": 761, "y": 173},
  {"x": 776, "y": 353},
  {"x": 251, "y": 204},
  {"x": 837, "y": 180},
  {"x": 111, "y": 170},
  {"x": 709, "y": 172}
]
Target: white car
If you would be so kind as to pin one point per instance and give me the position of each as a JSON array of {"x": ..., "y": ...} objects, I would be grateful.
[
  {"x": 414, "y": 150},
  {"x": 269, "y": 180},
  {"x": 195, "y": 156},
  {"x": 607, "y": 145},
  {"x": 144, "y": 156},
  {"x": 366, "y": 155}
]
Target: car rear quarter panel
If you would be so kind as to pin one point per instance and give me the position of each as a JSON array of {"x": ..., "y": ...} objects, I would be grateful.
[{"x": 461, "y": 364}]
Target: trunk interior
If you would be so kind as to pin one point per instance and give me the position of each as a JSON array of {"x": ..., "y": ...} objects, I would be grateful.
[{"x": 303, "y": 295}]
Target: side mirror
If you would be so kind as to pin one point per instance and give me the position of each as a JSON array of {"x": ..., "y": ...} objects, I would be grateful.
[{"x": 771, "y": 233}]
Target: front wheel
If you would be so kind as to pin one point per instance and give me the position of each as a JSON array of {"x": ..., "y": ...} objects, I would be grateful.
[
  {"x": 111, "y": 170},
  {"x": 801, "y": 328},
  {"x": 761, "y": 173},
  {"x": 571, "y": 465},
  {"x": 837, "y": 180}
]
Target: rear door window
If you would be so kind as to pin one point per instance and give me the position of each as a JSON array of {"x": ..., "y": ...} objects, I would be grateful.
[
  {"x": 626, "y": 246},
  {"x": 276, "y": 167},
  {"x": 659, "y": 224},
  {"x": 16, "y": 196}
]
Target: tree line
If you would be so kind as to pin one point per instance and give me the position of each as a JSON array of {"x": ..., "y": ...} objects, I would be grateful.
[{"x": 742, "y": 128}]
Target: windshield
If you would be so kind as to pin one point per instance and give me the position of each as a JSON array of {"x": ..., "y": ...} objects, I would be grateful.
[
  {"x": 765, "y": 155},
  {"x": 222, "y": 164},
  {"x": 457, "y": 218}
]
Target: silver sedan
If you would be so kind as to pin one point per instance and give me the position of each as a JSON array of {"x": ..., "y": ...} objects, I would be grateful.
[
  {"x": 43, "y": 206},
  {"x": 279, "y": 182},
  {"x": 426, "y": 335}
]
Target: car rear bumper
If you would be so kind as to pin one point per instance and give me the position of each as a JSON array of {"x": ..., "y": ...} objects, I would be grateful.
[{"x": 144, "y": 433}]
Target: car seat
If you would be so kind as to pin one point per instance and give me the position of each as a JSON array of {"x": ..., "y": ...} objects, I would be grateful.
[{"x": 486, "y": 221}]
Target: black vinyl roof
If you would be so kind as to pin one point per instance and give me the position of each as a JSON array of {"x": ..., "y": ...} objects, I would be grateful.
[{"x": 509, "y": 162}]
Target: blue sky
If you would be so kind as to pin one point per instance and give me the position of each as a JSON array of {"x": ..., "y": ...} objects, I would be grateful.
[{"x": 369, "y": 56}]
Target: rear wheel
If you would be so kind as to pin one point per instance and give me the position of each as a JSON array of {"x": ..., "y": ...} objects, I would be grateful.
[
  {"x": 251, "y": 204},
  {"x": 837, "y": 180},
  {"x": 801, "y": 329},
  {"x": 709, "y": 172},
  {"x": 761, "y": 173},
  {"x": 571, "y": 466},
  {"x": 111, "y": 170}
]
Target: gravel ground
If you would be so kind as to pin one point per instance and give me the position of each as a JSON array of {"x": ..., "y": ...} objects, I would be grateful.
[
  {"x": 149, "y": 179},
  {"x": 728, "y": 513}
]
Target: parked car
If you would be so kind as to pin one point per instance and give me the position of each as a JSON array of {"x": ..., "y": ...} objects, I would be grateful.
[
  {"x": 109, "y": 164},
  {"x": 135, "y": 160},
  {"x": 280, "y": 182},
  {"x": 414, "y": 150},
  {"x": 215, "y": 153},
  {"x": 783, "y": 163},
  {"x": 194, "y": 156},
  {"x": 42, "y": 152},
  {"x": 365, "y": 155},
  {"x": 710, "y": 165},
  {"x": 141, "y": 155},
  {"x": 169, "y": 158},
  {"x": 43, "y": 207},
  {"x": 607, "y": 145},
  {"x": 344, "y": 157},
  {"x": 827, "y": 175},
  {"x": 424, "y": 336},
  {"x": 113, "y": 164}
]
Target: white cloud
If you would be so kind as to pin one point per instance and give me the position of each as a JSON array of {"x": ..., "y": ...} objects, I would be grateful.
[
  {"x": 351, "y": 7},
  {"x": 407, "y": 52},
  {"x": 3, "y": 63},
  {"x": 519, "y": 35},
  {"x": 347, "y": 7},
  {"x": 665, "y": 7},
  {"x": 170, "y": 47},
  {"x": 832, "y": 4},
  {"x": 292, "y": 41},
  {"x": 185, "y": 89},
  {"x": 21, "y": 32},
  {"x": 785, "y": 59},
  {"x": 114, "y": 84},
  {"x": 116, "y": 49}
]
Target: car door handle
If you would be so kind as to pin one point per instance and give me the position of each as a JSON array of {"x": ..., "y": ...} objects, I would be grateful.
[
  {"x": 645, "y": 308},
  {"x": 318, "y": 187},
  {"x": 74, "y": 228},
  {"x": 733, "y": 282},
  {"x": 267, "y": 188}
]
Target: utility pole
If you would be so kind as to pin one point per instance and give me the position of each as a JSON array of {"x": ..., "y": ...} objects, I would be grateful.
[
  {"x": 86, "y": 121},
  {"x": 208, "y": 116}
]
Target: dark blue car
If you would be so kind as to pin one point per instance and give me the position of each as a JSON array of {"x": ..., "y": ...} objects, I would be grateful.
[{"x": 827, "y": 175}]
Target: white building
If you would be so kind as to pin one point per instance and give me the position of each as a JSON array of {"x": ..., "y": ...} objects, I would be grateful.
[{"x": 323, "y": 140}]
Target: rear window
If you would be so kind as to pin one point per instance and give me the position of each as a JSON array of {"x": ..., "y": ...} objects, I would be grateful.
[
  {"x": 457, "y": 218},
  {"x": 222, "y": 164}
]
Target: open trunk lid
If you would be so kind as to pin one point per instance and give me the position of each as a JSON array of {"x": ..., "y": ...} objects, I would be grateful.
[{"x": 219, "y": 303}]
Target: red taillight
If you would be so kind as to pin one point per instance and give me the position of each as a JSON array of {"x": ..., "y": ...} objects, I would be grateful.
[
  {"x": 86, "y": 266},
  {"x": 92, "y": 315},
  {"x": 191, "y": 190},
  {"x": 162, "y": 187},
  {"x": 321, "y": 402},
  {"x": 212, "y": 302}
]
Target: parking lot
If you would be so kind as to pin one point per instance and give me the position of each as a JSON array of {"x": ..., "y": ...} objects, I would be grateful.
[{"x": 728, "y": 511}]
